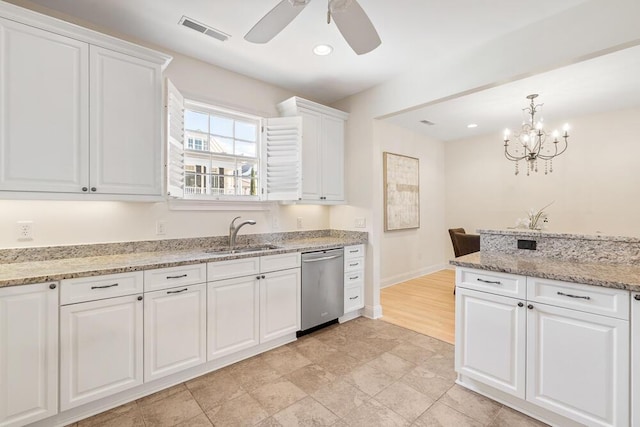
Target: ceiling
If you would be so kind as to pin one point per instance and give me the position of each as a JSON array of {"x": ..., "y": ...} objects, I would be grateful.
[
  {"x": 605, "y": 83},
  {"x": 414, "y": 33}
]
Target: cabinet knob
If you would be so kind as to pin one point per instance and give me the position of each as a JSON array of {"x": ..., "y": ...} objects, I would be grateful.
[
  {"x": 258, "y": 277},
  {"x": 530, "y": 307},
  {"x": 520, "y": 304},
  {"x": 94, "y": 189},
  {"x": 636, "y": 297},
  {"x": 52, "y": 286},
  {"x": 140, "y": 298},
  {"x": 263, "y": 276},
  {"x": 85, "y": 189}
]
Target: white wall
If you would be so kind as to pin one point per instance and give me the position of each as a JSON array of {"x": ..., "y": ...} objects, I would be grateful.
[
  {"x": 410, "y": 253},
  {"x": 594, "y": 186}
]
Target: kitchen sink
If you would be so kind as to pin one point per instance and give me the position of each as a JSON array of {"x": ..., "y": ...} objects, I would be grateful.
[{"x": 241, "y": 249}]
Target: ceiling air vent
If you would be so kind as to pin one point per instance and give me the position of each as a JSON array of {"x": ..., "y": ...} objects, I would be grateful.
[
  {"x": 201, "y": 28},
  {"x": 427, "y": 122}
]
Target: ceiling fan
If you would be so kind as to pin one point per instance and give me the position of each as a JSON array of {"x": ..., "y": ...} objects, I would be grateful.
[{"x": 351, "y": 20}]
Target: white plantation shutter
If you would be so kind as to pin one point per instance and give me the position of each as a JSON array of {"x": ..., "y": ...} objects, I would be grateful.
[
  {"x": 281, "y": 159},
  {"x": 175, "y": 141}
]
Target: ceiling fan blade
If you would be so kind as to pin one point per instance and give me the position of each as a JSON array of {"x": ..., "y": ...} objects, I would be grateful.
[
  {"x": 275, "y": 21},
  {"x": 356, "y": 28}
]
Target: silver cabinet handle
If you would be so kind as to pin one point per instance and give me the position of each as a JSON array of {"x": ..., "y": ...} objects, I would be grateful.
[
  {"x": 637, "y": 297},
  {"x": 177, "y": 292},
  {"x": 354, "y": 278},
  {"x": 356, "y": 297},
  {"x": 177, "y": 277},
  {"x": 573, "y": 296},
  {"x": 105, "y": 286},
  {"x": 354, "y": 251},
  {"x": 489, "y": 281},
  {"x": 322, "y": 259},
  {"x": 353, "y": 265}
]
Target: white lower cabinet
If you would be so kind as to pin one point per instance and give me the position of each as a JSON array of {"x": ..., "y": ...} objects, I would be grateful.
[
  {"x": 574, "y": 360},
  {"x": 28, "y": 353},
  {"x": 261, "y": 305},
  {"x": 491, "y": 340},
  {"x": 635, "y": 359},
  {"x": 578, "y": 364},
  {"x": 279, "y": 304},
  {"x": 100, "y": 349},
  {"x": 233, "y": 316},
  {"x": 353, "y": 278},
  {"x": 175, "y": 330}
]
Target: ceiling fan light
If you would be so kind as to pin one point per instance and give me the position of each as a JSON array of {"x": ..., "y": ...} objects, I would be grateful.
[
  {"x": 339, "y": 5},
  {"x": 299, "y": 2},
  {"x": 322, "y": 49}
]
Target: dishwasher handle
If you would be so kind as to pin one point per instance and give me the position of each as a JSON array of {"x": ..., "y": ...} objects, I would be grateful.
[{"x": 322, "y": 259}]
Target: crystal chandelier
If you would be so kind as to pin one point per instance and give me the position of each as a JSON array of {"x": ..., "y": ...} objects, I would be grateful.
[{"x": 531, "y": 143}]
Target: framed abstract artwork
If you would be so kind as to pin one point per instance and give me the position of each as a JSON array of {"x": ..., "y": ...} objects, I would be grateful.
[{"x": 401, "y": 192}]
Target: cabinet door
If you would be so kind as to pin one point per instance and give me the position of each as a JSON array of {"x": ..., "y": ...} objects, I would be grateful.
[
  {"x": 490, "y": 340},
  {"x": 28, "y": 354},
  {"x": 44, "y": 98},
  {"x": 279, "y": 304},
  {"x": 311, "y": 155},
  {"x": 233, "y": 315},
  {"x": 175, "y": 330},
  {"x": 578, "y": 365},
  {"x": 332, "y": 158},
  {"x": 635, "y": 358},
  {"x": 126, "y": 126},
  {"x": 100, "y": 349}
]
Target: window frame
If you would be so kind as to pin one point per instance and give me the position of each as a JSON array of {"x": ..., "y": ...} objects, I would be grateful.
[{"x": 211, "y": 109}]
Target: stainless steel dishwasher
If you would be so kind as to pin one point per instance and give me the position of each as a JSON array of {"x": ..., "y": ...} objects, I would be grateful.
[{"x": 322, "y": 287}]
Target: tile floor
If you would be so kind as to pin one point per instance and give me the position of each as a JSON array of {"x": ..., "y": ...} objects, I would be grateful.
[{"x": 361, "y": 373}]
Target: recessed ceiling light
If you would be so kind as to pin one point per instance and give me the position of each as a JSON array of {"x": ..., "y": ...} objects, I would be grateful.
[
  {"x": 472, "y": 125},
  {"x": 322, "y": 50}
]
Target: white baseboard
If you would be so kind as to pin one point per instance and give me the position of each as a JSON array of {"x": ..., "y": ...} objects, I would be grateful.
[
  {"x": 403, "y": 277},
  {"x": 373, "y": 312},
  {"x": 350, "y": 316}
]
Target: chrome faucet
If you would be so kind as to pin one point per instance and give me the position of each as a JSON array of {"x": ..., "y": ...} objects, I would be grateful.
[{"x": 233, "y": 230}]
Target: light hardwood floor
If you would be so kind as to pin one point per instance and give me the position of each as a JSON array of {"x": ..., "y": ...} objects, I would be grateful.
[{"x": 425, "y": 304}]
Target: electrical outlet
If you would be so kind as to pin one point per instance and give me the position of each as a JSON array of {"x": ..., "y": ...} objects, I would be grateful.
[
  {"x": 161, "y": 228},
  {"x": 360, "y": 222},
  {"x": 25, "y": 230},
  {"x": 299, "y": 223},
  {"x": 275, "y": 223}
]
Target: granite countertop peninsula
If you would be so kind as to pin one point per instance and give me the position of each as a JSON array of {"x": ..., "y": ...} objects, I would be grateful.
[
  {"x": 38, "y": 265},
  {"x": 610, "y": 275}
]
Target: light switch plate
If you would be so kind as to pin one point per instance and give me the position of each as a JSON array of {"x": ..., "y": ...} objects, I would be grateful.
[{"x": 360, "y": 222}]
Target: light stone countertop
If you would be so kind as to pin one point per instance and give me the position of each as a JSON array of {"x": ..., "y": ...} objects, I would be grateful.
[
  {"x": 619, "y": 276},
  {"x": 24, "y": 273}
]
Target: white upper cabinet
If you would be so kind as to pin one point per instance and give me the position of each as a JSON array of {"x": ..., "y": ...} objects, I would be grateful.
[
  {"x": 80, "y": 112},
  {"x": 44, "y": 98},
  {"x": 126, "y": 112},
  {"x": 322, "y": 149}
]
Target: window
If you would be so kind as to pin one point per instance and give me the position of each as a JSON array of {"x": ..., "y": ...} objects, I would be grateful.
[
  {"x": 221, "y": 155},
  {"x": 217, "y": 154}
]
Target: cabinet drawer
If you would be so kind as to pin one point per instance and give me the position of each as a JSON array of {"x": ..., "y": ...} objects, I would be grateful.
[
  {"x": 511, "y": 285},
  {"x": 279, "y": 262},
  {"x": 355, "y": 264},
  {"x": 353, "y": 277},
  {"x": 356, "y": 251},
  {"x": 233, "y": 268},
  {"x": 99, "y": 287},
  {"x": 353, "y": 298},
  {"x": 592, "y": 299},
  {"x": 163, "y": 278}
]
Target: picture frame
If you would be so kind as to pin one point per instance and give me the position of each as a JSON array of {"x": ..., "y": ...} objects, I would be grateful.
[{"x": 401, "y": 175}]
